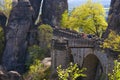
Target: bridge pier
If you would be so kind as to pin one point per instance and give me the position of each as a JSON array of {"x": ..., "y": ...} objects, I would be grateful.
[{"x": 60, "y": 54}]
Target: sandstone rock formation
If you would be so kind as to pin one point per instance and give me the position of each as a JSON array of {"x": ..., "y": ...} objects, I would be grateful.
[
  {"x": 18, "y": 33},
  {"x": 11, "y": 75},
  {"x": 36, "y": 7},
  {"x": 114, "y": 18},
  {"x": 52, "y": 11},
  {"x": 16, "y": 36}
]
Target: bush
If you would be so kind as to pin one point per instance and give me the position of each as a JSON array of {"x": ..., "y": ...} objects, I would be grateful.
[
  {"x": 71, "y": 73},
  {"x": 112, "y": 42},
  {"x": 45, "y": 36},
  {"x": 35, "y": 52},
  {"x": 37, "y": 71},
  {"x": 115, "y": 75},
  {"x": 1, "y": 42}
]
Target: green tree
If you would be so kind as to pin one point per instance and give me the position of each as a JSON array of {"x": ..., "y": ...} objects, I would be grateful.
[
  {"x": 45, "y": 35},
  {"x": 38, "y": 71},
  {"x": 112, "y": 42},
  {"x": 1, "y": 42},
  {"x": 88, "y": 18},
  {"x": 6, "y": 7},
  {"x": 115, "y": 75},
  {"x": 71, "y": 73},
  {"x": 35, "y": 52}
]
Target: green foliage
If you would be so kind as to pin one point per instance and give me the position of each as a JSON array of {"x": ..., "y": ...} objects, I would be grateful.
[
  {"x": 35, "y": 52},
  {"x": 115, "y": 75},
  {"x": 88, "y": 18},
  {"x": 45, "y": 35},
  {"x": 37, "y": 71},
  {"x": 1, "y": 41},
  {"x": 72, "y": 72},
  {"x": 112, "y": 42},
  {"x": 6, "y": 7}
]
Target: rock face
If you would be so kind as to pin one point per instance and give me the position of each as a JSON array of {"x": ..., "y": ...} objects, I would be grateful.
[
  {"x": 16, "y": 36},
  {"x": 36, "y": 6},
  {"x": 3, "y": 19},
  {"x": 114, "y": 18},
  {"x": 52, "y": 11},
  {"x": 21, "y": 22}
]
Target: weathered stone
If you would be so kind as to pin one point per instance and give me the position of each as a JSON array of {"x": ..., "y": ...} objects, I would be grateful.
[
  {"x": 113, "y": 18},
  {"x": 36, "y": 7},
  {"x": 12, "y": 75},
  {"x": 52, "y": 11},
  {"x": 47, "y": 61},
  {"x": 16, "y": 36},
  {"x": 33, "y": 30}
]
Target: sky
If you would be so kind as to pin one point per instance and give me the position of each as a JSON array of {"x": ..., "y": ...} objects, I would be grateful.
[{"x": 74, "y": 3}]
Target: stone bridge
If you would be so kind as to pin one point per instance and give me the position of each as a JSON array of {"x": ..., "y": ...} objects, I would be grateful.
[{"x": 84, "y": 52}]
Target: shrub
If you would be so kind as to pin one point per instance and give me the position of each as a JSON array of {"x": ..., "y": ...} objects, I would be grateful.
[
  {"x": 71, "y": 73},
  {"x": 45, "y": 35},
  {"x": 35, "y": 52},
  {"x": 1, "y": 42},
  {"x": 37, "y": 71},
  {"x": 112, "y": 42},
  {"x": 115, "y": 75}
]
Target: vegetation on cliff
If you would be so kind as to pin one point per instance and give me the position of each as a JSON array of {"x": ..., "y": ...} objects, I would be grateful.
[
  {"x": 6, "y": 7},
  {"x": 115, "y": 75},
  {"x": 112, "y": 42}
]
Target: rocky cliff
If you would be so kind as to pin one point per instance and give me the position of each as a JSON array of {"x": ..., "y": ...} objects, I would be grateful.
[
  {"x": 16, "y": 36},
  {"x": 20, "y": 23},
  {"x": 52, "y": 11},
  {"x": 113, "y": 18}
]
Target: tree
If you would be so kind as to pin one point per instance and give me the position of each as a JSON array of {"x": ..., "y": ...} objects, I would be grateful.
[
  {"x": 6, "y": 7},
  {"x": 45, "y": 34},
  {"x": 88, "y": 18},
  {"x": 112, "y": 42}
]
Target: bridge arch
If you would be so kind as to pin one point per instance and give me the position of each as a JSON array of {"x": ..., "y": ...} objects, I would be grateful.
[
  {"x": 101, "y": 56},
  {"x": 94, "y": 68}
]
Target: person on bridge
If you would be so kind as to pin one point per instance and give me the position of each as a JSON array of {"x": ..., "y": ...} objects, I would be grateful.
[{"x": 84, "y": 35}]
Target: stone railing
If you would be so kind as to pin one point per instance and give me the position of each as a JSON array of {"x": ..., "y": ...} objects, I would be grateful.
[
  {"x": 66, "y": 33},
  {"x": 75, "y": 39},
  {"x": 81, "y": 43}
]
